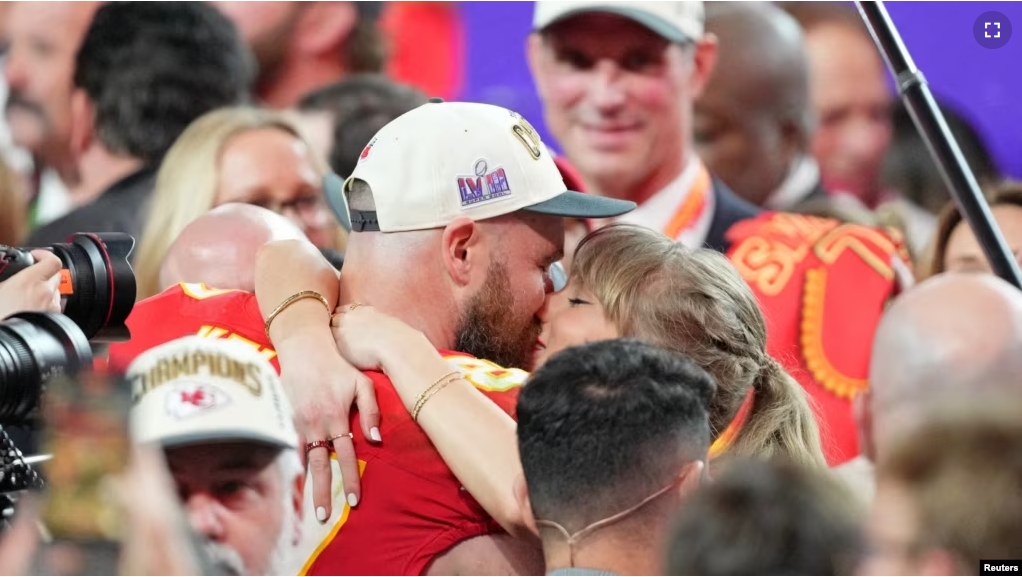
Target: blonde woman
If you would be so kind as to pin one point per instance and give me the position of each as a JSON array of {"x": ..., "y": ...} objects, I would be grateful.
[
  {"x": 626, "y": 281},
  {"x": 240, "y": 154}
]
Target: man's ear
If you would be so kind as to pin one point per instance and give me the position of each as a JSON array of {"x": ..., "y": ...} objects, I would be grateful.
[
  {"x": 521, "y": 491},
  {"x": 325, "y": 26},
  {"x": 83, "y": 121},
  {"x": 690, "y": 478},
  {"x": 703, "y": 63},
  {"x": 297, "y": 498},
  {"x": 463, "y": 251},
  {"x": 534, "y": 55},
  {"x": 862, "y": 408}
]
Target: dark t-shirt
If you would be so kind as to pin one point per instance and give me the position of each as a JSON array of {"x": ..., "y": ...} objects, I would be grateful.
[{"x": 121, "y": 208}]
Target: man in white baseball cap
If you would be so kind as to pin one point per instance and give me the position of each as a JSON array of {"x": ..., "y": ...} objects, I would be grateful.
[
  {"x": 618, "y": 81},
  {"x": 218, "y": 410},
  {"x": 456, "y": 213}
]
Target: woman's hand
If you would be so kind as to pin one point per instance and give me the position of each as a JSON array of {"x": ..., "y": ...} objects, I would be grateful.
[
  {"x": 35, "y": 289},
  {"x": 322, "y": 387},
  {"x": 366, "y": 337}
]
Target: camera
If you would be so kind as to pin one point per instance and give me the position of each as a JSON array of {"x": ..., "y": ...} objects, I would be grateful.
[
  {"x": 34, "y": 348},
  {"x": 97, "y": 284},
  {"x": 97, "y": 294}
]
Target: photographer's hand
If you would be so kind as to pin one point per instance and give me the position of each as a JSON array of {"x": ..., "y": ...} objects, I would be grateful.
[{"x": 35, "y": 289}]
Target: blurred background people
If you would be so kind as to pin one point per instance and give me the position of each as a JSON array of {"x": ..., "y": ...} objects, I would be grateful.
[
  {"x": 352, "y": 111},
  {"x": 206, "y": 283},
  {"x": 617, "y": 87},
  {"x": 949, "y": 338},
  {"x": 955, "y": 247},
  {"x": 753, "y": 122},
  {"x": 850, "y": 98},
  {"x": 13, "y": 208},
  {"x": 304, "y": 46},
  {"x": 42, "y": 40},
  {"x": 225, "y": 425},
  {"x": 219, "y": 248},
  {"x": 247, "y": 155},
  {"x": 948, "y": 495},
  {"x": 767, "y": 518},
  {"x": 613, "y": 437},
  {"x": 909, "y": 168},
  {"x": 144, "y": 72}
]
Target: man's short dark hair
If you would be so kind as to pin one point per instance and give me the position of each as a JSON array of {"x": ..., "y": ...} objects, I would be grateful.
[
  {"x": 361, "y": 105},
  {"x": 605, "y": 425},
  {"x": 151, "y": 68},
  {"x": 766, "y": 518}
]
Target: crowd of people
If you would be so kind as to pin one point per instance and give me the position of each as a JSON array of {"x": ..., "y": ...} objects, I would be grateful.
[{"x": 728, "y": 324}]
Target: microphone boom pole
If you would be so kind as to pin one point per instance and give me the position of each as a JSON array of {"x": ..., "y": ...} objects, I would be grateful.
[{"x": 929, "y": 120}]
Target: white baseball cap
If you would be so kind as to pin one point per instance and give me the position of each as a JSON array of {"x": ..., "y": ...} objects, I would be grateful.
[
  {"x": 443, "y": 160},
  {"x": 675, "y": 21},
  {"x": 201, "y": 390}
]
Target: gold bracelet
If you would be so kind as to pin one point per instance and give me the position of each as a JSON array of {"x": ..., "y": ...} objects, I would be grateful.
[
  {"x": 432, "y": 390},
  {"x": 292, "y": 300}
]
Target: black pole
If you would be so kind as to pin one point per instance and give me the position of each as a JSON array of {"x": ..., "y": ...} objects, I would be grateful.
[{"x": 931, "y": 125}]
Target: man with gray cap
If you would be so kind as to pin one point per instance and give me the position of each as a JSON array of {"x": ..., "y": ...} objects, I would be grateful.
[
  {"x": 618, "y": 81},
  {"x": 218, "y": 410}
]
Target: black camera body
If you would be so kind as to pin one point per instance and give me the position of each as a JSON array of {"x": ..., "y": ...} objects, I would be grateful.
[
  {"x": 98, "y": 283},
  {"x": 98, "y": 293}
]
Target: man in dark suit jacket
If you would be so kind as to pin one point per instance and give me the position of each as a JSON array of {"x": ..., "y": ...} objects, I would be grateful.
[
  {"x": 753, "y": 122},
  {"x": 143, "y": 73}
]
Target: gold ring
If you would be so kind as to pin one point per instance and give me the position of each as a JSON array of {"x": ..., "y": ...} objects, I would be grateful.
[
  {"x": 335, "y": 437},
  {"x": 354, "y": 306}
]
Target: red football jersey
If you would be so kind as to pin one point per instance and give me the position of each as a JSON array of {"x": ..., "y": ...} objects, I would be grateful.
[
  {"x": 192, "y": 309},
  {"x": 412, "y": 507}
]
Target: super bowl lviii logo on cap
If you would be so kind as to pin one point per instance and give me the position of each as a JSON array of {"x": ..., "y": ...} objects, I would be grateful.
[
  {"x": 197, "y": 390},
  {"x": 487, "y": 184}
]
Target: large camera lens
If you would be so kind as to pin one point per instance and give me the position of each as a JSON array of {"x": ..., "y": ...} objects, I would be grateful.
[
  {"x": 35, "y": 347},
  {"x": 101, "y": 286}
]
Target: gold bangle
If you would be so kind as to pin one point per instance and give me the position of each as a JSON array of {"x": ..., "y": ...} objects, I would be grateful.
[
  {"x": 292, "y": 300},
  {"x": 432, "y": 390}
]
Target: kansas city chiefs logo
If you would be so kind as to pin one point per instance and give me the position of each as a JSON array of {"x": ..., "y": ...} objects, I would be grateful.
[{"x": 187, "y": 400}]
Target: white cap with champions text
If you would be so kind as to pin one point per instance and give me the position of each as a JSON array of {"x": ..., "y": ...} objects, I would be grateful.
[
  {"x": 443, "y": 160},
  {"x": 676, "y": 21},
  {"x": 201, "y": 390}
]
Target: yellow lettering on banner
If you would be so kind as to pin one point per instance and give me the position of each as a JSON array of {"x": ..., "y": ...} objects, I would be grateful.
[
  {"x": 855, "y": 239},
  {"x": 201, "y": 292},
  {"x": 338, "y": 491},
  {"x": 213, "y": 332},
  {"x": 487, "y": 376}
]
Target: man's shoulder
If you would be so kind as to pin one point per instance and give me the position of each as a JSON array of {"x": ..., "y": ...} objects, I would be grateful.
[
  {"x": 118, "y": 209},
  {"x": 191, "y": 309}
]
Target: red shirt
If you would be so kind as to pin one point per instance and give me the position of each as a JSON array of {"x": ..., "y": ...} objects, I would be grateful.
[
  {"x": 192, "y": 309},
  {"x": 412, "y": 507}
]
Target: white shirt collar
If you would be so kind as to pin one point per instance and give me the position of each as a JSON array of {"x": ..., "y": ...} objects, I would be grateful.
[
  {"x": 797, "y": 186},
  {"x": 658, "y": 210}
]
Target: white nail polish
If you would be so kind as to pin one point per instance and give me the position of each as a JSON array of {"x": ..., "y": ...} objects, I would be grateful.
[
  {"x": 352, "y": 499},
  {"x": 375, "y": 434},
  {"x": 321, "y": 514}
]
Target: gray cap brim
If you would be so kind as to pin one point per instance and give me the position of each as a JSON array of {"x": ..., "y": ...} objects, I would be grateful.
[
  {"x": 572, "y": 204},
  {"x": 654, "y": 23},
  {"x": 333, "y": 190}
]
